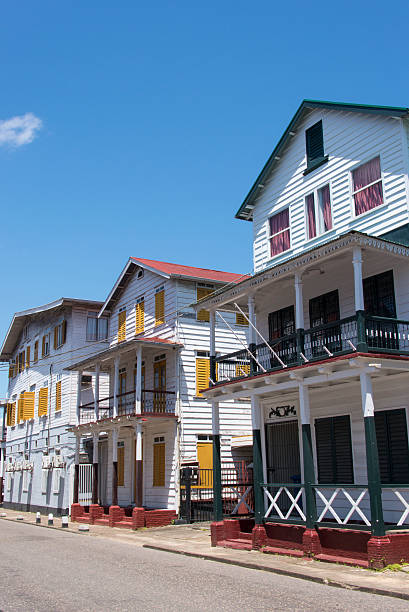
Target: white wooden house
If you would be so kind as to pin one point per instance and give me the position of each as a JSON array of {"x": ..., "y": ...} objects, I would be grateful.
[
  {"x": 154, "y": 418},
  {"x": 39, "y": 346},
  {"x": 327, "y": 366}
]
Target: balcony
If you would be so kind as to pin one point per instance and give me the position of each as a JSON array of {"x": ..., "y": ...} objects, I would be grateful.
[
  {"x": 154, "y": 403},
  {"x": 359, "y": 332}
]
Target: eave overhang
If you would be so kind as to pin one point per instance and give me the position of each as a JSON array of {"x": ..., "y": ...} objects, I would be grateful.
[
  {"x": 20, "y": 319},
  {"x": 299, "y": 263},
  {"x": 318, "y": 373},
  {"x": 245, "y": 211}
]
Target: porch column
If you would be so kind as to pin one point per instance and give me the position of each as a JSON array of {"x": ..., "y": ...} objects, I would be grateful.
[
  {"x": 2, "y": 453},
  {"x": 257, "y": 461},
  {"x": 79, "y": 396},
  {"x": 95, "y": 440},
  {"x": 138, "y": 382},
  {"x": 217, "y": 470},
  {"x": 212, "y": 319},
  {"x": 252, "y": 341},
  {"x": 75, "y": 496},
  {"x": 372, "y": 457},
  {"x": 138, "y": 465},
  {"x": 362, "y": 345},
  {"x": 116, "y": 383},
  {"x": 308, "y": 459},
  {"x": 115, "y": 433},
  {"x": 96, "y": 391},
  {"x": 299, "y": 314}
]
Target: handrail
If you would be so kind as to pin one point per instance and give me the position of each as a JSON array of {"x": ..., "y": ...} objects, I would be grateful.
[
  {"x": 386, "y": 319},
  {"x": 325, "y": 326},
  {"x": 110, "y": 397}
]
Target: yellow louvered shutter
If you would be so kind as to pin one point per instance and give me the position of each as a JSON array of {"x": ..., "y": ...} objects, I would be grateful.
[
  {"x": 159, "y": 465},
  {"x": 202, "y": 292},
  {"x": 242, "y": 369},
  {"x": 9, "y": 415},
  {"x": 43, "y": 401},
  {"x": 140, "y": 317},
  {"x": 121, "y": 465},
  {"x": 28, "y": 405},
  {"x": 28, "y": 351},
  {"x": 122, "y": 326},
  {"x": 160, "y": 307},
  {"x": 20, "y": 408},
  {"x": 202, "y": 374},
  {"x": 58, "y": 396},
  {"x": 240, "y": 319},
  {"x": 35, "y": 351},
  {"x": 13, "y": 413}
]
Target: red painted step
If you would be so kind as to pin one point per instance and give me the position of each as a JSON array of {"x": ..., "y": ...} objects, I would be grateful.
[
  {"x": 237, "y": 544},
  {"x": 290, "y": 552}
]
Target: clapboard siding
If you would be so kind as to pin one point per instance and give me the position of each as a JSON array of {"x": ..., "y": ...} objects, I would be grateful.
[{"x": 349, "y": 139}]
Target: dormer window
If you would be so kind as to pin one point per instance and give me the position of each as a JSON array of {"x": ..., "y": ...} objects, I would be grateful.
[{"x": 314, "y": 144}]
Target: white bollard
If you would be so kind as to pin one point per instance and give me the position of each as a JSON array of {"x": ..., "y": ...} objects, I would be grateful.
[
  {"x": 19, "y": 518},
  {"x": 3, "y": 514},
  {"x": 64, "y": 521},
  {"x": 38, "y": 518},
  {"x": 50, "y": 520},
  {"x": 83, "y": 528}
]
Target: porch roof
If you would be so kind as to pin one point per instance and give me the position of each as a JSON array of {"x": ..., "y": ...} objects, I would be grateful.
[
  {"x": 123, "y": 347},
  {"x": 227, "y": 296},
  {"x": 318, "y": 373}
]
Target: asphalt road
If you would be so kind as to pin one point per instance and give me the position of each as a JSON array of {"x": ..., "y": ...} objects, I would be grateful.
[{"x": 46, "y": 570}]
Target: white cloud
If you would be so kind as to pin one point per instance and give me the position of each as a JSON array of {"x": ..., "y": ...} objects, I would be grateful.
[{"x": 19, "y": 130}]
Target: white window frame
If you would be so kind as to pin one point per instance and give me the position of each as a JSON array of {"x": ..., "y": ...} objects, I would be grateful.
[
  {"x": 46, "y": 353},
  {"x": 319, "y": 220},
  {"x": 270, "y": 236},
  {"x": 94, "y": 315},
  {"x": 353, "y": 192},
  {"x": 59, "y": 335}
]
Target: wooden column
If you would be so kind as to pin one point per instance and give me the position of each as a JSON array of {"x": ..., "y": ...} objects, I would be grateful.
[
  {"x": 138, "y": 466},
  {"x": 95, "y": 440},
  {"x": 115, "y": 433},
  {"x": 308, "y": 458},
  {"x": 116, "y": 384},
  {"x": 372, "y": 456},
  {"x": 138, "y": 385},
  {"x": 258, "y": 478},
  {"x": 77, "y": 469},
  {"x": 217, "y": 472},
  {"x": 252, "y": 339},
  {"x": 78, "y": 396},
  {"x": 362, "y": 344},
  {"x": 212, "y": 320},
  {"x": 96, "y": 392},
  {"x": 299, "y": 315}
]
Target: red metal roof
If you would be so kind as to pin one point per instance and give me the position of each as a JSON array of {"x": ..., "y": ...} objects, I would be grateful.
[{"x": 189, "y": 271}]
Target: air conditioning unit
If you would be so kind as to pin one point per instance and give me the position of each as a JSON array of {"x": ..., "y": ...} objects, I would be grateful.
[
  {"x": 10, "y": 467},
  {"x": 47, "y": 463},
  {"x": 58, "y": 461},
  {"x": 18, "y": 466}
]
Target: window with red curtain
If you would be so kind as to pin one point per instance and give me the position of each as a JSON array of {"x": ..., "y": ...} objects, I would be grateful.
[
  {"x": 319, "y": 215},
  {"x": 367, "y": 186},
  {"x": 311, "y": 220},
  {"x": 280, "y": 232}
]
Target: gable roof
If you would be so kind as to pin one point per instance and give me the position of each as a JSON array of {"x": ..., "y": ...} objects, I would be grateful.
[
  {"x": 167, "y": 270},
  {"x": 22, "y": 317},
  {"x": 246, "y": 209}
]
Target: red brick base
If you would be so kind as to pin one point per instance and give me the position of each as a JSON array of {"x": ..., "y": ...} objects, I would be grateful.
[
  {"x": 117, "y": 517},
  {"x": 349, "y": 546}
]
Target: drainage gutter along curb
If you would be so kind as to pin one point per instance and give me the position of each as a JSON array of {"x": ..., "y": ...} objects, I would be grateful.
[{"x": 283, "y": 572}]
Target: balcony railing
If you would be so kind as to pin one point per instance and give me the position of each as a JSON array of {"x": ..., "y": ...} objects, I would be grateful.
[
  {"x": 376, "y": 334},
  {"x": 153, "y": 403}
]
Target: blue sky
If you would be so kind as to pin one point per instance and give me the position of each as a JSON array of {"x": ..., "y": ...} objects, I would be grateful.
[{"x": 137, "y": 129}]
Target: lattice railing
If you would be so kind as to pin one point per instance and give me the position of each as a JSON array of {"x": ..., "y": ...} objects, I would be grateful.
[
  {"x": 346, "y": 504},
  {"x": 401, "y": 493},
  {"x": 284, "y": 501}
]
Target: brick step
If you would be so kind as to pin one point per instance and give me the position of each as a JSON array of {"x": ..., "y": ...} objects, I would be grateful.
[
  {"x": 82, "y": 519},
  {"x": 345, "y": 560},
  {"x": 237, "y": 544},
  {"x": 291, "y": 552},
  {"x": 245, "y": 536},
  {"x": 101, "y": 521},
  {"x": 124, "y": 524}
]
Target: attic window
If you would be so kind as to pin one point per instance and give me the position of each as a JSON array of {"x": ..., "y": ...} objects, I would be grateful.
[
  {"x": 314, "y": 144},
  {"x": 139, "y": 274}
]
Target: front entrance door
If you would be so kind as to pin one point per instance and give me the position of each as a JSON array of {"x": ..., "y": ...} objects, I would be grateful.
[
  {"x": 283, "y": 452},
  {"x": 283, "y": 460},
  {"x": 103, "y": 471},
  {"x": 159, "y": 386}
]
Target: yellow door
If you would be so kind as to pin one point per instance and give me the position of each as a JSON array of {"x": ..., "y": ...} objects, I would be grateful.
[
  {"x": 159, "y": 386},
  {"x": 205, "y": 459}
]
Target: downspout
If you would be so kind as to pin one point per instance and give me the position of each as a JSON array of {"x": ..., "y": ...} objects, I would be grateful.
[{"x": 49, "y": 407}]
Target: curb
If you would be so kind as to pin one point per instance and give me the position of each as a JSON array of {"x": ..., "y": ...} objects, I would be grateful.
[
  {"x": 283, "y": 572},
  {"x": 64, "y": 529}
]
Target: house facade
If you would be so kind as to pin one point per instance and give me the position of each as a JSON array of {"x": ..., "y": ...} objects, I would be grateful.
[
  {"x": 40, "y": 345},
  {"x": 327, "y": 362},
  {"x": 154, "y": 420}
]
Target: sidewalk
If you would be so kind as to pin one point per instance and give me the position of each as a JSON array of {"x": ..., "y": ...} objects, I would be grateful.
[{"x": 194, "y": 540}]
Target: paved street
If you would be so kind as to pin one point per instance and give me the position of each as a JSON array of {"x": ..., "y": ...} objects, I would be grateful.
[{"x": 48, "y": 570}]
